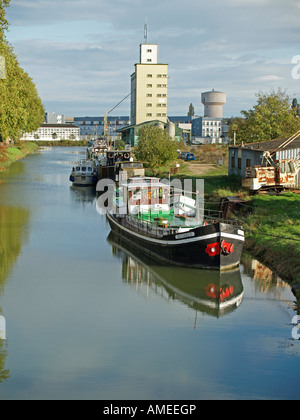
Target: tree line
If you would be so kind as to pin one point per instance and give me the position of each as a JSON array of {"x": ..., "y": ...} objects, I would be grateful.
[
  {"x": 275, "y": 115},
  {"x": 21, "y": 108}
]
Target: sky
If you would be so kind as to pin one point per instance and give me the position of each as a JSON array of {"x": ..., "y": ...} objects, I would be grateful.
[{"x": 81, "y": 53}]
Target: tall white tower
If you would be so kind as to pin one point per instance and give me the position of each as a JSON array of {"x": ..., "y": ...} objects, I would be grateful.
[
  {"x": 149, "y": 86},
  {"x": 213, "y": 102}
]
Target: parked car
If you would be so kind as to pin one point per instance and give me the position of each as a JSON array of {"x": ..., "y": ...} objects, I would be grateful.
[
  {"x": 183, "y": 155},
  {"x": 190, "y": 156}
]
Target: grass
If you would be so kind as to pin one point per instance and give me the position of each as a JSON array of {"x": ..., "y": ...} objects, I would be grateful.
[
  {"x": 273, "y": 233},
  {"x": 271, "y": 222},
  {"x": 8, "y": 155}
]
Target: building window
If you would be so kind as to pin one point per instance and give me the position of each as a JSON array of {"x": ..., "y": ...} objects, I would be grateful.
[
  {"x": 149, "y": 114},
  {"x": 148, "y": 104},
  {"x": 232, "y": 161},
  {"x": 149, "y": 95},
  {"x": 149, "y": 75},
  {"x": 149, "y": 86},
  {"x": 248, "y": 163},
  {"x": 239, "y": 163},
  {"x": 149, "y": 51}
]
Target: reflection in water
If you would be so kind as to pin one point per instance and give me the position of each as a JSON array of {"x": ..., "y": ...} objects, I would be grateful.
[
  {"x": 83, "y": 194},
  {"x": 13, "y": 232},
  {"x": 2, "y": 328},
  {"x": 265, "y": 279},
  {"x": 13, "y": 170},
  {"x": 4, "y": 373},
  {"x": 212, "y": 292}
]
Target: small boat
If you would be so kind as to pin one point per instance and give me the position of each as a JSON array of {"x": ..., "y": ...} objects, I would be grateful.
[
  {"x": 84, "y": 173},
  {"x": 173, "y": 228}
]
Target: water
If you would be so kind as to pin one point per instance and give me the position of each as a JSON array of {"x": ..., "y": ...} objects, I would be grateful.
[{"x": 88, "y": 318}]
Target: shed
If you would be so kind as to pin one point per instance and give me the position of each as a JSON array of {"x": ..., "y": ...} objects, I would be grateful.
[{"x": 251, "y": 154}]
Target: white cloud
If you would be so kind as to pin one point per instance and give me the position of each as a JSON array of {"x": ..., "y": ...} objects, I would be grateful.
[
  {"x": 90, "y": 48},
  {"x": 269, "y": 78}
]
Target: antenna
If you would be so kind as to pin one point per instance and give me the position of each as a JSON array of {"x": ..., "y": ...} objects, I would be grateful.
[{"x": 146, "y": 32}]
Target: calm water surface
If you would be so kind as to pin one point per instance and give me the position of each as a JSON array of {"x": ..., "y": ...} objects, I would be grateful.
[{"x": 88, "y": 318}]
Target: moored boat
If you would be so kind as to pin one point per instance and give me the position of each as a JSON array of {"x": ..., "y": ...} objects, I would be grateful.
[
  {"x": 174, "y": 228},
  {"x": 84, "y": 173}
]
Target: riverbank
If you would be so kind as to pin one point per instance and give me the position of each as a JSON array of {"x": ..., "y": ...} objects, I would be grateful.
[
  {"x": 271, "y": 222},
  {"x": 10, "y": 154}
]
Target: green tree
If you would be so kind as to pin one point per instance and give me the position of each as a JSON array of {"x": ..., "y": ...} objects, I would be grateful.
[
  {"x": 155, "y": 147},
  {"x": 3, "y": 21},
  {"x": 296, "y": 107},
  {"x": 21, "y": 108},
  {"x": 272, "y": 117},
  {"x": 191, "y": 111},
  {"x": 119, "y": 144}
]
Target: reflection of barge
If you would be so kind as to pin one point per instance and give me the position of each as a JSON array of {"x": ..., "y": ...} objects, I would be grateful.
[{"x": 212, "y": 292}]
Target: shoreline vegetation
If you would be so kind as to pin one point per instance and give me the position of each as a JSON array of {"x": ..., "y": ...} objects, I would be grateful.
[
  {"x": 271, "y": 222},
  {"x": 10, "y": 154}
]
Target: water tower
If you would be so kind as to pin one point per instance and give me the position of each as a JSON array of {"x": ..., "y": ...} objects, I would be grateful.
[{"x": 213, "y": 102}]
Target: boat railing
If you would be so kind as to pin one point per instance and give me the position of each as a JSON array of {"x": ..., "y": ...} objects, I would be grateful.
[
  {"x": 214, "y": 216},
  {"x": 146, "y": 227}
]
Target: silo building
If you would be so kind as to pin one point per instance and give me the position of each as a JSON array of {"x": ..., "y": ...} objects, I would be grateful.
[
  {"x": 213, "y": 102},
  {"x": 210, "y": 128}
]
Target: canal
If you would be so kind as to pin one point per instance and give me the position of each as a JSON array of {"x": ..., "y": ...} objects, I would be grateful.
[{"x": 83, "y": 316}]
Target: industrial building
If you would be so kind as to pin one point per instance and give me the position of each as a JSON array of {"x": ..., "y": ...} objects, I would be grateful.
[
  {"x": 210, "y": 128},
  {"x": 251, "y": 155},
  {"x": 149, "y": 87},
  {"x": 93, "y": 127},
  {"x": 50, "y": 132}
]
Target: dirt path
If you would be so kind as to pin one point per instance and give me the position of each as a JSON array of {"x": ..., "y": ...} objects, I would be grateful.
[{"x": 199, "y": 168}]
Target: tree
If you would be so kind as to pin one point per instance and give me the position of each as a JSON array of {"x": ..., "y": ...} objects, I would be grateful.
[
  {"x": 155, "y": 147},
  {"x": 119, "y": 144},
  {"x": 3, "y": 21},
  {"x": 272, "y": 117},
  {"x": 21, "y": 108},
  {"x": 296, "y": 107},
  {"x": 191, "y": 112}
]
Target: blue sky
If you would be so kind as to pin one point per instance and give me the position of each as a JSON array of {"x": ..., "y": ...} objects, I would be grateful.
[{"x": 81, "y": 53}]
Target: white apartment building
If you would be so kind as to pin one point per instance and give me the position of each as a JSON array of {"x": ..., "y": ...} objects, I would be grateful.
[
  {"x": 50, "y": 132},
  {"x": 149, "y": 87}
]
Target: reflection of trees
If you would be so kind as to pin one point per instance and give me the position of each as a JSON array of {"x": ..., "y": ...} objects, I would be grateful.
[
  {"x": 265, "y": 279},
  {"x": 4, "y": 373},
  {"x": 12, "y": 223}
]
